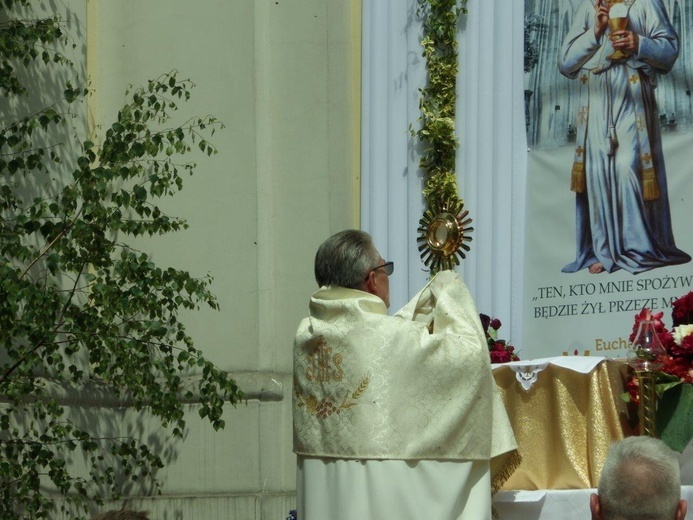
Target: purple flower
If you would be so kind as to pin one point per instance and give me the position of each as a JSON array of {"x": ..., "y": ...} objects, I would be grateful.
[{"x": 485, "y": 321}]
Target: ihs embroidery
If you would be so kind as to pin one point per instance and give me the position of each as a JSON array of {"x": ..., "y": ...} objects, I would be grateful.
[
  {"x": 318, "y": 368},
  {"x": 325, "y": 368}
]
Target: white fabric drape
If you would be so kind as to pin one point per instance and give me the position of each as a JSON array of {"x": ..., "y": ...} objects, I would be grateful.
[
  {"x": 491, "y": 160},
  {"x": 347, "y": 489}
]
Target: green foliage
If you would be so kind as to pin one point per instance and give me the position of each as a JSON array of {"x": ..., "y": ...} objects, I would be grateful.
[
  {"x": 24, "y": 42},
  {"x": 675, "y": 416},
  {"x": 438, "y": 98},
  {"x": 80, "y": 308}
]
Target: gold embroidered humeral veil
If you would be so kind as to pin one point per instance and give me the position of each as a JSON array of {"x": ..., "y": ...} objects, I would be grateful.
[{"x": 413, "y": 386}]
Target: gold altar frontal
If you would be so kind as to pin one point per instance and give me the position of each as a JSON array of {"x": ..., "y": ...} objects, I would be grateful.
[{"x": 564, "y": 421}]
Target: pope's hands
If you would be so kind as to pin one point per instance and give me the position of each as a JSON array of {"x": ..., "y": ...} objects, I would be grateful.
[
  {"x": 601, "y": 19},
  {"x": 625, "y": 41}
]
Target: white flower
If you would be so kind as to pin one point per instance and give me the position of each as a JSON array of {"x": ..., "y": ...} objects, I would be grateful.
[{"x": 681, "y": 332}]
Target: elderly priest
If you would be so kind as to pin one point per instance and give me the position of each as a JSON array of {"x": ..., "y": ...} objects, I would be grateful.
[{"x": 394, "y": 416}]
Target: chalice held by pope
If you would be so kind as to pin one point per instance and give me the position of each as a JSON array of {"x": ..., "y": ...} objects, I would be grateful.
[{"x": 618, "y": 21}]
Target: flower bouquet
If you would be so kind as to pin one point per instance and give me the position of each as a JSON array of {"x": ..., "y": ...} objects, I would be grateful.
[
  {"x": 499, "y": 349},
  {"x": 675, "y": 380}
]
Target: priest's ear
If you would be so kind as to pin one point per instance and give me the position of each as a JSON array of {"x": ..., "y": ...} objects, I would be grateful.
[
  {"x": 370, "y": 285},
  {"x": 681, "y": 510},
  {"x": 595, "y": 507}
]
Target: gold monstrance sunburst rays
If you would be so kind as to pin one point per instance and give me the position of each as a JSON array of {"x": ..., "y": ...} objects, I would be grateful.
[{"x": 443, "y": 235}]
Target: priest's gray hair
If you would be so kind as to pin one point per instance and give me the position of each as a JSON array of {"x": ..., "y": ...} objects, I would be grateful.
[
  {"x": 345, "y": 259},
  {"x": 641, "y": 480}
]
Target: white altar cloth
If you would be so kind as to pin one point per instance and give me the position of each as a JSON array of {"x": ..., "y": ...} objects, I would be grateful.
[
  {"x": 528, "y": 370},
  {"x": 556, "y": 504},
  {"x": 567, "y": 504}
]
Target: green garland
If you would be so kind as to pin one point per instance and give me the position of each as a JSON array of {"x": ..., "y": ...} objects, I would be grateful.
[
  {"x": 438, "y": 98},
  {"x": 444, "y": 227}
]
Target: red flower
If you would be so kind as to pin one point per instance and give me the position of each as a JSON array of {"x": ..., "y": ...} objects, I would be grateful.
[
  {"x": 683, "y": 350},
  {"x": 485, "y": 321},
  {"x": 500, "y": 356},
  {"x": 682, "y": 310},
  {"x": 499, "y": 350},
  {"x": 666, "y": 339},
  {"x": 679, "y": 367},
  {"x": 679, "y": 359},
  {"x": 498, "y": 345},
  {"x": 646, "y": 315},
  {"x": 633, "y": 389}
]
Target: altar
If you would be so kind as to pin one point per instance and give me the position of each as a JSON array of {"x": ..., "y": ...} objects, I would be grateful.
[
  {"x": 555, "y": 504},
  {"x": 565, "y": 412}
]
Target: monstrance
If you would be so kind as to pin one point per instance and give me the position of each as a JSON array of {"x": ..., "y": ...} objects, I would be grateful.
[{"x": 443, "y": 234}]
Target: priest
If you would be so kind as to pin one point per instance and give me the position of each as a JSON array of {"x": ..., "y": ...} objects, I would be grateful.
[{"x": 394, "y": 416}]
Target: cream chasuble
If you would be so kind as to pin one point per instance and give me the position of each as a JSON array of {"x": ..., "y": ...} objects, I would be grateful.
[{"x": 414, "y": 386}]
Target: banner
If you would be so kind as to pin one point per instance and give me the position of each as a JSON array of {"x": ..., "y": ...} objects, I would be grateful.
[{"x": 610, "y": 170}]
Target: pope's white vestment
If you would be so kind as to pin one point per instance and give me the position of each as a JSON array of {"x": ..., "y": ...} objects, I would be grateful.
[{"x": 395, "y": 416}]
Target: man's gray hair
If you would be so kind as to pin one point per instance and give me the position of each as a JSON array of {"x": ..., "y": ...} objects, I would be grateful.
[
  {"x": 641, "y": 480},
  {"x": 345, "y": 259}
]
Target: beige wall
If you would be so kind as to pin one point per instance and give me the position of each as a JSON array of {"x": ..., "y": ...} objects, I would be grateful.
[{"x": 284, "y": 78}]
